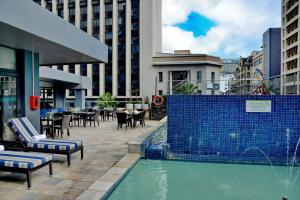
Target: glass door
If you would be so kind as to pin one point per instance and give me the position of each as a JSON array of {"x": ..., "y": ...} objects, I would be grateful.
[{"x": 8, "y": 102}]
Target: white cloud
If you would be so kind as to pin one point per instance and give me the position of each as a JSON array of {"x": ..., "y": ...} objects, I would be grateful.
[{"x": 240, "y": 25}]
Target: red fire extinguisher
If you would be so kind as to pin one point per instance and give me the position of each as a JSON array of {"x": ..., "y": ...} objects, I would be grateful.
[{"x": 34, "y": 102}]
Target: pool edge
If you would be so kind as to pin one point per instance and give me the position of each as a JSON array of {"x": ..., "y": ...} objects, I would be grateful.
[{"x": 103, "y": 186}]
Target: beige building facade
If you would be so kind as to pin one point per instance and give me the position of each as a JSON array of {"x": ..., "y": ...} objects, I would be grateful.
[
  {"x": 290, "y": 71},
  {"x": 172, "y": 70}
]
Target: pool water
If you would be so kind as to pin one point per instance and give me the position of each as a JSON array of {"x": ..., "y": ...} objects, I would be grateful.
[{"x": 173, "y": 180}]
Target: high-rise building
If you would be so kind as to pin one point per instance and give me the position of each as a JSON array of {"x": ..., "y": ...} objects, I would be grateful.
[
  {"x": 290, "y": 71},
  {"x": 132, "y": 31},
  {"x": 271, "y": 53}
]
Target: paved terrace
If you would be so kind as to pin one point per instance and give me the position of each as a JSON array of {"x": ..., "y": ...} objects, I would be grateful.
[{"x": 104, "y": 147}]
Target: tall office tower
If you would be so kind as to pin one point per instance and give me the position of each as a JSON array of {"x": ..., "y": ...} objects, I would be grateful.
[
  {"x": 132, "y": 31},
  {"x": 290, "y": 71}
]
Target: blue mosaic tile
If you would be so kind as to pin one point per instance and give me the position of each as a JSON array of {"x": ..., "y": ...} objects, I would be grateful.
[{"x": 218, "y": 129}]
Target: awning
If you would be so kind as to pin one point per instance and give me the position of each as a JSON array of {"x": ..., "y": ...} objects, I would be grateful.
[
  {"x": 50, "y": 77},
  {"x": 26, "y": 25}
]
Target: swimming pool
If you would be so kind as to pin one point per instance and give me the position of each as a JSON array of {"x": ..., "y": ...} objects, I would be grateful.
[{"x": 175, "y": 180}]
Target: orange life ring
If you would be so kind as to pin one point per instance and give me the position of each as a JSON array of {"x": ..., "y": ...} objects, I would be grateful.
[{"x": 158, "y": 100}]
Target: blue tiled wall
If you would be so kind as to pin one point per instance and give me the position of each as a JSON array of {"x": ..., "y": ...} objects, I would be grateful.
[{"x": 218, "y": 128}]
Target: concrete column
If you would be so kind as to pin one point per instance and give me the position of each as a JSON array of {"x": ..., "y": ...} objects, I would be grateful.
[
  {"x": 77, "y": 13},
  {"x": 80, "y": 99},
  {"x": 90, "y": 32},
  {"x": 77, "y": 24},
  {"x": 66, "y": 69},
  {"x": 77, "y": 69},
  {"x": 102, "y": 39},
  {"x": 128, "y": 48},
  {"x": 89, "y": 17},
  {"x": 66, "y": 10},
  {"x": 30, "y": 83},
  {"x": 90, "y": 75},
  {"x": 43, "y": 3},
  {"x": 115, "y": 49},
  {"x": 59, "y": 97},
  {"x": 54, "y": 7}
]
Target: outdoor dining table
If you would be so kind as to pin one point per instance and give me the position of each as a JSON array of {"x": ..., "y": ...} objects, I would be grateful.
[
  {"x": 130, "y": 115},
  {"x": 53, "y": 121},
  {"x": 84, "y": 116}
]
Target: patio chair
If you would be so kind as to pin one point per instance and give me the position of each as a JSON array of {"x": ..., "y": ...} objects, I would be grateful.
[
  {"x": 24, "y": 131},
  {"x": 45, "y": 127},
  {"x": 94, "y": 118},
  {"x": 122, "y": 119},
  {"x": 102, "y": 114},
  {"x": 24, "y": 162},
  {"x": 63, "y": 125},
  {"x": 112, "y": 114},
  {"x": 139, "y": 118}
]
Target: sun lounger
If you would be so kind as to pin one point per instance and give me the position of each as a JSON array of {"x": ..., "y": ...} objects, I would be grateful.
[
  {"x": 24, "y": 131},
  {"x": 24, "y": 162}
]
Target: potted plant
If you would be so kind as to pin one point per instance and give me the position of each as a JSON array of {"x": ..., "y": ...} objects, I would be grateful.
[
  {"x": 138, "y": 104},
  {"x": 146, "y": 103},
  {"x": 187, "y": 89},
  {"x": 107, "y": 101}
]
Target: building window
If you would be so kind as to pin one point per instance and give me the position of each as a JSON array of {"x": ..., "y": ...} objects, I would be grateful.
[
  {"x": 199, "y": 76},
  {"x": 213, "y": 76},
  {"x": 60, "y": 67},
  {"x": 160, "y": 92},
  {"x": 160, "y": 77},
  {"x": 83, "y": 69},
  {"x": 95, "y": 78},
  {"x": 47, "y": 98}
]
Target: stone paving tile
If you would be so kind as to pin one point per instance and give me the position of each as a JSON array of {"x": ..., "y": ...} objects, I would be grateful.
[{"x": 104, "y": 146}]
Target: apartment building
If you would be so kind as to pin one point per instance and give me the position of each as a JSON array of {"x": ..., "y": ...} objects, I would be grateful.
[
  {"x": 244, "y": 74},
  {"x": 290, "y": 71},
  {"x": 132, "y": 31},
  {"x": 258, "y": 64}
]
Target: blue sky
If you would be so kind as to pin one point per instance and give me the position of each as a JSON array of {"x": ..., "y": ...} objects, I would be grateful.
[
  {"x": 197, "y": 23},
  {"x": 225, "y": 28}
]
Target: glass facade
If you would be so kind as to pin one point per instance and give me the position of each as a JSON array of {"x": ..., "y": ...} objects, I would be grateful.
[
  {"x": 47, "y": 98},
  {"x": 7, "y": 58},
  {"x": 122, "y": 48},
  {"x": 108, "y": 41},
  {"x": 83, "y": 15},
  {"x": 96, "y": 18},
  {"x": 60, "y": 8},
  {"x": 96, "y": 86},
  {"x": 135, "y": 47},
  {"x": 8, "y": 88},
  {"x": 72, "y": 11},
  {"x": 83, "y": 69}
]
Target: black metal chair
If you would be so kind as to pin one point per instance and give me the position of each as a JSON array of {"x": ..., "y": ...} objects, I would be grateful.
[
  {"x": 102, "y": 114},
  {"x": 112, "y": 114},
  {"x": 94, "y": 118},
  {"x": 45, "y": 127},
  {"x": 122, "y": 119},
  {"x": 139, "y": 118}
]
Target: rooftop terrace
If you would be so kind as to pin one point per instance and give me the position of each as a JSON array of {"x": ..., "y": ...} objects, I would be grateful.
[{"x": 105, "y": 146}]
